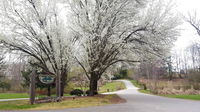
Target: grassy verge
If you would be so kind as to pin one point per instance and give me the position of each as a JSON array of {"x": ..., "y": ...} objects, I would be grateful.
[
  {"x": 135, "y": 83},
  {"x": 145, "y": 91},
  {"x": 13, "y": 95},
  {"x": 19, "y": 95},
  {"x": 189, "y": 97},
  {"x": 112, "y": 86},
  {"x": 67, "y": 103}
]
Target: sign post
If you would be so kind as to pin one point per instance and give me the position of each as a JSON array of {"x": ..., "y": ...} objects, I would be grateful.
[
  {"x": 32, "y": 87},
  {"x": 47, "y": 79}
]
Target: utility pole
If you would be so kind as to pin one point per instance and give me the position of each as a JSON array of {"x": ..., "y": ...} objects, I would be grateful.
[{"x": 32, "y": 87}]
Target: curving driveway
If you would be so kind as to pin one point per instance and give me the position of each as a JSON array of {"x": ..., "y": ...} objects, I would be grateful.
[{"x": 139, "y": 102}]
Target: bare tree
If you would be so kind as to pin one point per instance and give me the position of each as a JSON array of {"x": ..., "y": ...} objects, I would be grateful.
[
  {"x": 194, "y": 21},
  {"x": 111, "y": 31},
  {"x": 37, "y": 29},
  {"x": 194, "y": 51}
]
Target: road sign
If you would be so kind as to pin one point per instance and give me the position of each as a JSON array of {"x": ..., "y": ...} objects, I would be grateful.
[{"x": 47, "y": 79}]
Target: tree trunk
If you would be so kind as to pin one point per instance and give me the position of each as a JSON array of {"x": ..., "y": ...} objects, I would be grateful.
[
  {"x": 93, "y": 84},
  {"x": 63, "y": 82},
  {"x": 32, "y": 87},
  {"x": 49, "y": 90},
  {"x": 58, "y": 86}
]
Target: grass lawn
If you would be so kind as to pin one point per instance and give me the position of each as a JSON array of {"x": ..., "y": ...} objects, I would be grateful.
[
  {"x": 145, "y": 91},
  {"x": 67, "y": 103},
  {"x": 190, "y": 97},
  {"x": 13, "y": 95},
  {"x": 135, "y": 83},
  {"x": 19, "y": 95},
  {"x": 112, "y": 86}
]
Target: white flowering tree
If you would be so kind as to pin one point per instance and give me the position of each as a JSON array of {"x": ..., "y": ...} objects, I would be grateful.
[
  {"x": 37, "y": 29},
  {"x": 111, "y": 31},
  {"x": 1, "y": 62}
]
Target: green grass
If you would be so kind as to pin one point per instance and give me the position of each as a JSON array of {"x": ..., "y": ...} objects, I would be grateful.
[
  {"x": 112, "y": 86},
  {"x": 69, "y": 103},
  {"x": 145, "y": 91},
  {"x": 19, "y": 95},
  {"x": 108, "y": 87},
  {"x": 190, "y": 97},
  {"x": 135, "y": 83},
  {"x": 13, "y": 95}
]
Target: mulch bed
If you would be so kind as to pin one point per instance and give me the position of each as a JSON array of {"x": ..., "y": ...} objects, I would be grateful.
[{"x": 115, "y": 100}]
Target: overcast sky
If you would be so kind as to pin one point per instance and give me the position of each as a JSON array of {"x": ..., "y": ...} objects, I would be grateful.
[{"x": 188, "y": 34}]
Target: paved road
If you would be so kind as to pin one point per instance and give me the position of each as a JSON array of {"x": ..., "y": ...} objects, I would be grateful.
[
  {"x": 139, "y": 102},
  {"x": 2, "y": 100}
]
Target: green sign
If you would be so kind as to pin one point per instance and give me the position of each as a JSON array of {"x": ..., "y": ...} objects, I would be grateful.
[{"x": 47, "y": 79}]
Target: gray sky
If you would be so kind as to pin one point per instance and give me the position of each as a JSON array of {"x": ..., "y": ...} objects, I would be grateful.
[{"x": 188, "y": 34}]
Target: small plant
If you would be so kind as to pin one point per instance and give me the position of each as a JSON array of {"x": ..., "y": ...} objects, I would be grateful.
[{"x": 76, "y": 92}]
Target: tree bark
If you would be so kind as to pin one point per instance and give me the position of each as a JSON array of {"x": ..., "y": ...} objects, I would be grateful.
[
  {"x": 63, "y": 83},
  {"x": 58, "y": 86},
  {"x": 49, "y": 90},
  {"x": 32, "y": 87},
  {"x": 93, "y": 84}
]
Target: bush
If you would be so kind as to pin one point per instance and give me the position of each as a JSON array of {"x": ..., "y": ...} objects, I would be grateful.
[
  {"x": 76, "y": 92},
  {"x": 122, "y": 74},
  {"x": 5, "y": 85},
  {"x": 194, "y": 76}
]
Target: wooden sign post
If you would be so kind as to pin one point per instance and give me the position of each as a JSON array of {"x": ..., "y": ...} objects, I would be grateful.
[{"x": 32, "y": 87}]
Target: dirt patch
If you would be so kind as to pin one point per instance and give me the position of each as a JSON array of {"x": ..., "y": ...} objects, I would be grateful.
[
  {"x": 113, "y": 99},
  {"x": 116, "y": 100}
]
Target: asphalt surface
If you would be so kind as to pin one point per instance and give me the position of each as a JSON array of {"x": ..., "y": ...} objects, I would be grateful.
[
  {"x": 2, "y": 100},
  {"x": 138, "y": 102}
]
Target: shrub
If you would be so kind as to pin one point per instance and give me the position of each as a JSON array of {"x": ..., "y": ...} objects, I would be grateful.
[
  {"x": 76, "y": 92},
  {"x": 194, "y": 76},
  {"x": 116, "y": 76},
  {"x": 5, "y": 85},
  {"x": 122, "y": 74}
]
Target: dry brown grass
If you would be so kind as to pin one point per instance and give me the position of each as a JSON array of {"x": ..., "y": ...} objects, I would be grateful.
[{"x": 179, "y": 86}]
